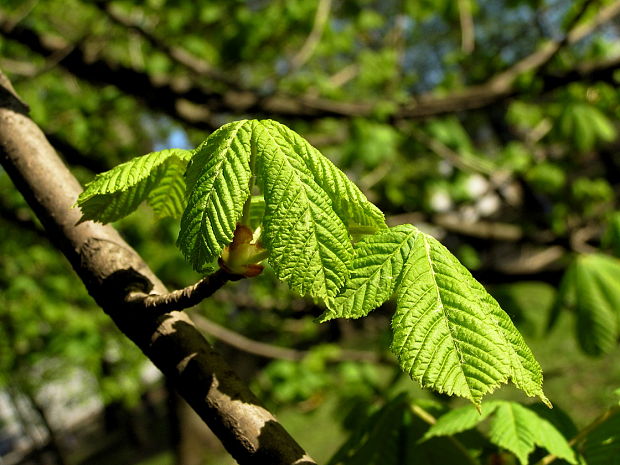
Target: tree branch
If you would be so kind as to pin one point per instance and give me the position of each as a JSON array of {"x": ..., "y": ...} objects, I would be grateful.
[
  {"x": 111, "y": 269},
  {"x": 468, "y": 37},
  {"x": 181, "y": 298},
  {"x": 195, "y": 105},
  {"x": 192, "y": 63},
  {"x": 307, "y": 49},
  {"x": 261, "y": 349}
]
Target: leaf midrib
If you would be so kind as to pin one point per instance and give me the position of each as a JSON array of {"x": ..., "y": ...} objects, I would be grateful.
[{"x": 294, "y": 171}]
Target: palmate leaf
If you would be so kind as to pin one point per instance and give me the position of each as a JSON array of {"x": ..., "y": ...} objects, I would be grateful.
[
  {"x": 307, "y": 204},
  {"x": 449, "y": 333},
  {"x": 513, "y": 427},
  {"x": 218, "y": 186},
  {"x": 156, "y": 177}
]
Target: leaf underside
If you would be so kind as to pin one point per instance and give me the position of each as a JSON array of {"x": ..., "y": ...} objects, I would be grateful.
[{"x": 156, "y": 177}]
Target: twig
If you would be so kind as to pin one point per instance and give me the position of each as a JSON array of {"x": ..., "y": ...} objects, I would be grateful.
[
  {"x": 307, "y": 49},
  {"x": 262, "y": 349},
  {"x": 179, "y": 55},
  {"x": 467, "y": 26},
  {"x": 181, "y": 298},
  {"x": 450, "y": 155}
]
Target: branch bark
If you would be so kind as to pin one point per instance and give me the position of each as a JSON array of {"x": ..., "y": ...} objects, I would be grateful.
[
  {"x": 111, "y": 270},
  {"x": 181, "y": 298}
]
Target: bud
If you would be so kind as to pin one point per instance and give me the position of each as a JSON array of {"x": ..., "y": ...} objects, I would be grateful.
[{"x": 243, "y": 255}]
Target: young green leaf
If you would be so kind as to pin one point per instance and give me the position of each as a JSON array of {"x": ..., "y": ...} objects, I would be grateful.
[
  {"x": 308, "y": 243},
  {"x": 156, "y": 177},
  {"x": 167, "y": 198},
  {"x": 375, "y": 272},
  {"x": 513, "y": 427},
  {"x": 218, "y": 185},
  {"x": 460, "y": 419},
  {"x": 449, "y": 333},
  {"x": 349, "y": 203},
  {"x": 518, "y": 429},
  {"x": 444, "y": 335}
]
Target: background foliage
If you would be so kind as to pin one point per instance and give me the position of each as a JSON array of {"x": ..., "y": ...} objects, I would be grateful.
[{"x": 490, "y": 124}]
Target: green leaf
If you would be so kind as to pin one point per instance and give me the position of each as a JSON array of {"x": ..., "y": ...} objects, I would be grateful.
[
  {"x": 451, "y": 335},
  {"x": 156, "y": 177},
  {"x": 513, "y": 429},
  {"x": 376, "y": 270},
  {"x": 167, "y": 198},
  {"x": 585, "y": 125},
  {"x": 460, "y": 419},
  {"x": 218, "y": 184},
  {"x": 518, "y": 429},
  {"x": 550, "y": 438},
  {"x": 595, "y": 292},
  {"x": 601, "y": 446},
  {"x": 308, "y": 242},
  {"x": 349, "y": 203}
]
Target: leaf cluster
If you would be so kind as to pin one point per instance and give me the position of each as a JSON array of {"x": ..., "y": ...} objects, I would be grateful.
[{"x": 326, "y": 240}]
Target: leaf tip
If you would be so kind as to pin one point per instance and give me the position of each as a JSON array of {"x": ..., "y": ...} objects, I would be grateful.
[{"x": 545, "y": 400}]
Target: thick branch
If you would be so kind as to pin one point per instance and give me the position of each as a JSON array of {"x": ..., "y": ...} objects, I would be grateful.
[{"x": 111, "y": 269}]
